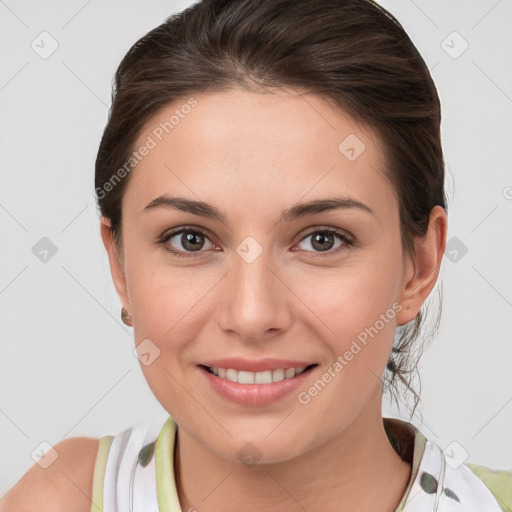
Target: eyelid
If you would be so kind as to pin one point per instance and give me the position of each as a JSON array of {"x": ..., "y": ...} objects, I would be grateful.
[
  {"x": 319, "y": 228},
  {"x": 178, "y": 230}
]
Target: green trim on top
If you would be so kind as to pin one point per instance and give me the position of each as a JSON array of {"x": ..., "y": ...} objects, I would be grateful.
[
  {"x": 499, "y": 482},
  {"x": 166, "y": 491},
  {"x": 99, "y": 473},
  {"x": 420, "y": 441},
  {"x": 403, "y": 436}
]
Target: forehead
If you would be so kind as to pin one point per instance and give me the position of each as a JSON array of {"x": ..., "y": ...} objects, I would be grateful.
[{"x": 258, "y": 149}]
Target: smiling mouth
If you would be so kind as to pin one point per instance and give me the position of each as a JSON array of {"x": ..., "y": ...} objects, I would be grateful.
[{"x": 263, "y": 377}]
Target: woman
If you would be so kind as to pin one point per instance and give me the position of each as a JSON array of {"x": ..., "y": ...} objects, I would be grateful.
[{"x": 270, "y": 183}]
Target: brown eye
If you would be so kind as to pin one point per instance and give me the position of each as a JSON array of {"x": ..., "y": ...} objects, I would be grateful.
[
  {"x": 325, "y": 240},
  {"x": 185, "y": 241}
]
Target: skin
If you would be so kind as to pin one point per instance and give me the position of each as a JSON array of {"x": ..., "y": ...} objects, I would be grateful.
[
  {"x": 253, "y": 156},
  {"x": 65, "y": 485},
  {"x": 332, "y": 453}
]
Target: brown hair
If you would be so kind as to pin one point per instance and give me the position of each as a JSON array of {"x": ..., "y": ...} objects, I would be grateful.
[{"x": 351, "y": 52}]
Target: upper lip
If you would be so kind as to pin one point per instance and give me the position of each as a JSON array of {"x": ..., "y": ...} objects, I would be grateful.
[{"x": 260, "y": 365}]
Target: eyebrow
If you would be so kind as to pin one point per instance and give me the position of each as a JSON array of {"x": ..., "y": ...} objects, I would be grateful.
[{"x": 297, "y": 211}]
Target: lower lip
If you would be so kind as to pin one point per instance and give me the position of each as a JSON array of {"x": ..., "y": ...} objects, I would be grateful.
[{"x": 254, "y": 394}]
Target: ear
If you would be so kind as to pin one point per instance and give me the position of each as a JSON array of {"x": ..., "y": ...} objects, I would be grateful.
[
  {"x": 422, "y": 270},
  {"x": 115, "y": 260}
]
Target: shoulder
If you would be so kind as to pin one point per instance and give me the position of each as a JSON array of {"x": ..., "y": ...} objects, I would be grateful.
[
  {"x": 499, "y": 482},
  {"x": 68, "y": 480}
]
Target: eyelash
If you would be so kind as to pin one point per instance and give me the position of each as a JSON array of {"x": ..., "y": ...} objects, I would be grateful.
[{"x": 180, "y": 254}]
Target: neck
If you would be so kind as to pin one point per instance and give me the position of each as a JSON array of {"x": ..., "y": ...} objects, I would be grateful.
[{"x": 358, "y": 469}]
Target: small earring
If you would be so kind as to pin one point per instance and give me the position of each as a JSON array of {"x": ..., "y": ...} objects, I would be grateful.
[{"x": 126, "y": 317}]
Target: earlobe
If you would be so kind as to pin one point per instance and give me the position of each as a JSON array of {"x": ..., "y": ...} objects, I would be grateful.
[
  {"x": 424, "y": 267},
  {"x": 115, "y": 261}
]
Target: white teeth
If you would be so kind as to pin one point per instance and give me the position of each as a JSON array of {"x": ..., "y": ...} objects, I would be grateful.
[
  {"x": 289, "y": 373},
  {"x": 264, "y": 377},
  {"x": 232, "y": 375},
  {"x": 277, "y": 375},
  {"x": 245, "y": 377}
]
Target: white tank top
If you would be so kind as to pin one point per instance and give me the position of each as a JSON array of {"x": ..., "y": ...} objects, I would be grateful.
[{"x": 134, "y": 472}]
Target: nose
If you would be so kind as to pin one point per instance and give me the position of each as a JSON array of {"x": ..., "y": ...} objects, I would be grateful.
[{"x": 253, "y": 299}]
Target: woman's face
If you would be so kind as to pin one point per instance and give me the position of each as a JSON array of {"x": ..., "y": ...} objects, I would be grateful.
[{"x": 270, "y": 289}]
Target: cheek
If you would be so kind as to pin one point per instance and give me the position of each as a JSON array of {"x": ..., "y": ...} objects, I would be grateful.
[
  {"x": 357, "y": 310},
  {"x": 353, "y": 298},
  {"x": 166, "y": 300},
  {"x": 166, "y": 309},
  {"x": 170, "y": 306},
  {"x": 358, "y": 313}
]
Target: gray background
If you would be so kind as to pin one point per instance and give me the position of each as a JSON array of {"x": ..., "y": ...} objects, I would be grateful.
[{"x": 67, "y": 367}]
